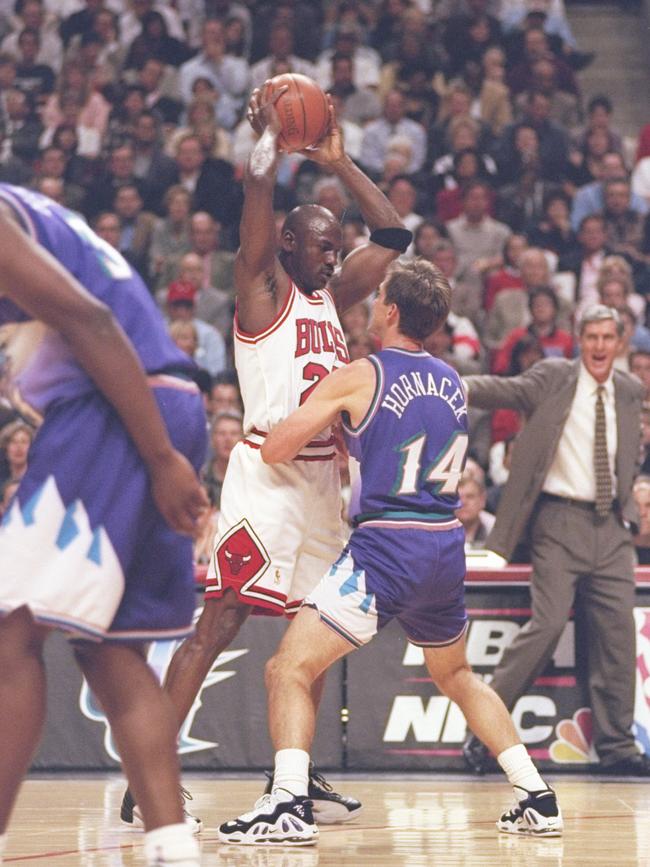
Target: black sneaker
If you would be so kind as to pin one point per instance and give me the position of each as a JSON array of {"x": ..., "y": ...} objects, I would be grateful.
[
  {"x": 329, "y": 807},
  {"x": 130, "y": 813},
  {"x": 631, "y": 766},
  {"x": 536, "y": 814},
  {"x": 273, "y": 822},
  {"x": 477, "y": 756}
]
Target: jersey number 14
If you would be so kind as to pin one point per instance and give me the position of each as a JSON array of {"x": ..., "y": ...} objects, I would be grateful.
[{"x": 444, "y": 472}]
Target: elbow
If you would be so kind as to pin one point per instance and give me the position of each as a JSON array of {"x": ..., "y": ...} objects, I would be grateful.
[
  {"x": 268, "y": 454},
  {"x": 275, "y": 452}
]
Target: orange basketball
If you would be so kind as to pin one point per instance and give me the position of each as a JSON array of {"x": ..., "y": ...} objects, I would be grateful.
[{"x": 303, "y": 110}]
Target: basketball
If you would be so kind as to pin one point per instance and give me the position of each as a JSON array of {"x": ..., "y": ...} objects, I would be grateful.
[{"x": 303, "y": 110}]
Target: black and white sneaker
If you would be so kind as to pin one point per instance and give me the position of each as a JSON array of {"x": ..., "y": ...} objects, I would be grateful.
[
  {"x": 130, "y": 812},
  {"x": 536, "y": 814},
  {"x": 273, "y": 822},
  {"x": 329, "y": 807}
]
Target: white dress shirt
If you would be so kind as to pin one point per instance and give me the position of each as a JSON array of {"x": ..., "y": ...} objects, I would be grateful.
[
  {"x": 377, "y": 136},
  {"x": 229, "y": 76},
  {"x": 571, "y": 473},
  {"x": 366, "y": 66}
]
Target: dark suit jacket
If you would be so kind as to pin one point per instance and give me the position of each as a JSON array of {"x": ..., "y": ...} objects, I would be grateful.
[
  {"x": 162, "y": 173},
  {"x": 544, "y": 394},
  {"x": 574, "y": 260}
]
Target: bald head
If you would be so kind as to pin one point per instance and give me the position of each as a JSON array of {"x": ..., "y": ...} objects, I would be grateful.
[
  {"x": 307, "y": 218},
  {"x": 310, "y": 245}
]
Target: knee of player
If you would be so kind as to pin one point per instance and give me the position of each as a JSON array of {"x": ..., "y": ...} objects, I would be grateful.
[
  {"x": 273, "y": 671},
  {"x": 281, "y": 669},
  {"x": 452, "y": 681},
  {"x": 220, "y": 621}
]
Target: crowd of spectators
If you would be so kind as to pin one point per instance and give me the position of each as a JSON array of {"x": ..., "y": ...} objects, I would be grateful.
[{"x": 469, "y": 115}]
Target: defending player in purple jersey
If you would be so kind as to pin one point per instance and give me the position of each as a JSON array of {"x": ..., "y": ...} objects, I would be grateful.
[
  {"x": 406, "y": 420},
  {"x": 413, "y": 441},
  {"x": 96, "y": 542}
]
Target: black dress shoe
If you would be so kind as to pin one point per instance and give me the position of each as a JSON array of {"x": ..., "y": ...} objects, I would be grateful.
[
  {"x": 477, "y": 756},
  {"x": 631, "y": 766}
]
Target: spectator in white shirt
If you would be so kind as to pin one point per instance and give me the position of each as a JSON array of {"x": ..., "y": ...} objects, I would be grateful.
[
  {"x": 131, "y": 20},
  {"x": 31, "y": 15},
  {"x": 367, "y": 62},
  {"x": 379, "y": 133},
  {"x": 228, "y": 74}
]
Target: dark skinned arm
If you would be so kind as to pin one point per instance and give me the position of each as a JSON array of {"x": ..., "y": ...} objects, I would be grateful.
[
  {"x": 364, "y": 269},
  {"x": 260, "y": 282},
  {"x": 35, "y": 281}
]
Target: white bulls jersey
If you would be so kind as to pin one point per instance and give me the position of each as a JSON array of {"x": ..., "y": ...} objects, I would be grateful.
[
  {"x": 280, "y": 367},
  {"x": 280, "y": 526}
]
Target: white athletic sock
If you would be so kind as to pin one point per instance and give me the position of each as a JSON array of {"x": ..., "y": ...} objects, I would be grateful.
[
  {"x": 172, "y": 844},
  {"x": 291, "y": 773},
  {"x": 519, "y": 769}
]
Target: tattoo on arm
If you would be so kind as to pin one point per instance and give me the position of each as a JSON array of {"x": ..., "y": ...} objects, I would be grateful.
[{"x": 271, "y": 285}]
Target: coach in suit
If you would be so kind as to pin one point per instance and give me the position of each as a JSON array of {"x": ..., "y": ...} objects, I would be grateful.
[{"x": 570, "y": 484}]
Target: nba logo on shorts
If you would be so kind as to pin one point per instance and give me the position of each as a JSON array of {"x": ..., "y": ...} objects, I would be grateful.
[{"x": 240, "y": 558}]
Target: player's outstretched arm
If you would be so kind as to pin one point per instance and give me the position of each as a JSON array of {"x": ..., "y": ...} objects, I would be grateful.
[
  {"x": 365, "y": 268},
  {"x": 260, "y": 282},
  {"x": 350, "y": 388},
  {"x": 36, "y": 282}
]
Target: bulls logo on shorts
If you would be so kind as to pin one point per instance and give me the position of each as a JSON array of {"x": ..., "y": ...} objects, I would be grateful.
[{"x": 240, "y": 559}]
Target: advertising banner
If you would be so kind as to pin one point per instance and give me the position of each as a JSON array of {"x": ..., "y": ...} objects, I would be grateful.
[
  {"x": 380, "y": 710},
  {"x": 226, "y": 728}
]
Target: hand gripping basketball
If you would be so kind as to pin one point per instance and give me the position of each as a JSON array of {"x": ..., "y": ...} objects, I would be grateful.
[
  {"x": 303, "y": 110},
  {"x": 262, "y": 112},
  {"x": 330, "y": 148}
]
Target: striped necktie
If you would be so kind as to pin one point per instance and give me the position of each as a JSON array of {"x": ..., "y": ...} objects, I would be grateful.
[{"x": 601, "y": 459}]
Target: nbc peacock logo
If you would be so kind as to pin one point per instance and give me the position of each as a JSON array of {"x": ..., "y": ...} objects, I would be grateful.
[{"x": 574, "y": 744}]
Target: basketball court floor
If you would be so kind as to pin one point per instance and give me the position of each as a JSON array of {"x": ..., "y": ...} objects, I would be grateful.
[{"x": 419, "y": 822}]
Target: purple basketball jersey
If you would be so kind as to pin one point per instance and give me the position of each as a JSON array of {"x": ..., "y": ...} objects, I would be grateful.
[
  {"x": 413, "y": 441},
  {"x": 38, "y": 365}
]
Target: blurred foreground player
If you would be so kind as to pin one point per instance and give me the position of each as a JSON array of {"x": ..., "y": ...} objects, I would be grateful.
[
  {"x": 280, "y": 527},
  {"x": 96, "y": 540},
  {"x": 405, "y": 418}
]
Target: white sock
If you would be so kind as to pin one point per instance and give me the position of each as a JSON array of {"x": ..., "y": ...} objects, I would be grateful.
[
  {"x": 172, "y": 844},
  {"x": 291, "y": 772},
  {"x": 519, "y": 769}
]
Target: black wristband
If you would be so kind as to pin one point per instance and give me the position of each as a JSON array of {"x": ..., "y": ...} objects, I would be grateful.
[{"x": 392, "y": 238}]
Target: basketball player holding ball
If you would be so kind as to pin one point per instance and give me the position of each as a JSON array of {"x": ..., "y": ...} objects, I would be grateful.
[{"x": 280, "y": 526}]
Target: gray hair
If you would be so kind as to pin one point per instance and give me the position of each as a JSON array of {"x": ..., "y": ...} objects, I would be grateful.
[{"x": 600, "y": 313}]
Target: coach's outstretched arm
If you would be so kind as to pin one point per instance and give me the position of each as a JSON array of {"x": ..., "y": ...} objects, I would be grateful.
[
  {"x": 522, "y": 392},
  {"x": 37, "y": 283}
]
